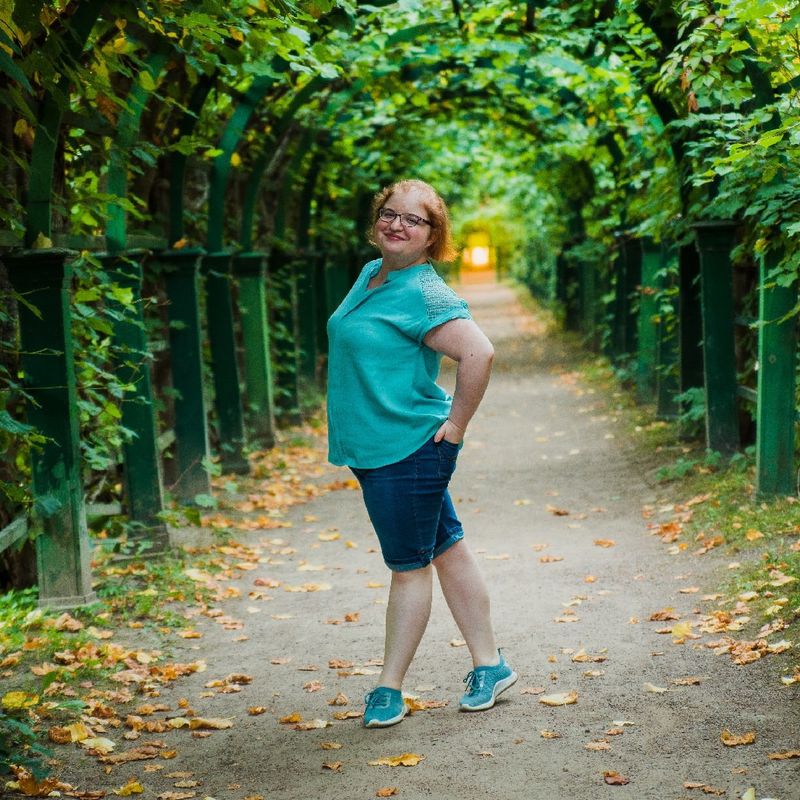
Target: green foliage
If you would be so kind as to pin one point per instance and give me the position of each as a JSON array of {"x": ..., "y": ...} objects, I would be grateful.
[
  {"x": 553, "y": 126},
  {"x": 19, "y": 744}
]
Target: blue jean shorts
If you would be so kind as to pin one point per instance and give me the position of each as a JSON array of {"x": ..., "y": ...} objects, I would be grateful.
[{"x": 409, "y": 505}]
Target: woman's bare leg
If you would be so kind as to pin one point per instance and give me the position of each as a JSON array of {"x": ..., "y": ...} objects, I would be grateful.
[
  {"x": 466, "y": 594},
  {"x": 407, "y": 614}
]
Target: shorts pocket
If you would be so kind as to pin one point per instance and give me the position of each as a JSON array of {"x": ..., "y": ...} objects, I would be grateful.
[{"x": 448, "y": 453}]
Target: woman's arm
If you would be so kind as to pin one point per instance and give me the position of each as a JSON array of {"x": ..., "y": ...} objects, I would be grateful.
[{"x": 464, "y": 342}]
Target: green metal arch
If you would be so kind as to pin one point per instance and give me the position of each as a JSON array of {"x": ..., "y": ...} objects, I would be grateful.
[
  {"x": 40, "y": 187},
  {"x": 127, "y": 132}
]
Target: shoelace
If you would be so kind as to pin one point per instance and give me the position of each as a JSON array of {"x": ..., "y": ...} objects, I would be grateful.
[
  {"x": 377, "y": 700},
  {"x": 474, "y": 681}
]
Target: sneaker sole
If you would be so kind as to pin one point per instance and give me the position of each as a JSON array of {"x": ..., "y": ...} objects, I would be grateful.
[
  {"x": 499, "y": 688},
  {"x": 385, "y": 723}
]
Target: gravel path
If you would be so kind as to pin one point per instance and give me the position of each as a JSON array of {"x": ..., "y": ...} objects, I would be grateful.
[{"x": 540, "y": 443}]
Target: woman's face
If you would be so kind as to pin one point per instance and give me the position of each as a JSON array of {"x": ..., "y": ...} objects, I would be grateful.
[{"x": 398, "y": 242}]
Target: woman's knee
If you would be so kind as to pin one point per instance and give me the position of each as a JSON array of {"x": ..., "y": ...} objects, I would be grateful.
[
  {"x": 412, "y": 576},
  {"x": 457, "y": 553}
]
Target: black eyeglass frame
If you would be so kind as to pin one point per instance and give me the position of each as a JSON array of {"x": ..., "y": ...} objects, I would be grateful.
[{"x": 404, "y": 218}]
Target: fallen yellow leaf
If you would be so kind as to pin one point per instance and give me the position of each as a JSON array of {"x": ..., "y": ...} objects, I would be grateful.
[
  {"x": 559, "y": 699},
  {"x": 680, "y": 630},
  {"x": 331, "y": 745},
  {"x": 604, "y": 542},
  {"x": 19, "y": 700},
  {"x": 347, "y": 714},
  {"x": 598, "y": 744},
  {"x": 176, "y": 795},
  {"x": 404, "y": 760},
  {"x": 732, "y": 740},
  {"x": 312, "y": 725},
  {"x": 689, "y": 680},
  {"x": 415, "y": 704},
  {"x": 387, "y": 791},
  {"x": 784, "y": 754},
  {"x": 549, "y": 735},
  {"x": 131, "y": 787},
  {"x": 582, "y": 656},
  {"x": 99, "y": 744},
  {"x": 308, "y": 587}
]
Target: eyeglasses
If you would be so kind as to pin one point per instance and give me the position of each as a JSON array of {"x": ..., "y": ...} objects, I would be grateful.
[{"x": 409, "y": 220}]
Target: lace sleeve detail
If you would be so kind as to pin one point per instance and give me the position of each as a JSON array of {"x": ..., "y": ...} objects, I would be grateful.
[{"x": 439, "y": 298}]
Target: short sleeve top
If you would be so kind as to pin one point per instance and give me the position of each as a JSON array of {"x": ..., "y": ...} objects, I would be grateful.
[{"x": 383, "y": 399}]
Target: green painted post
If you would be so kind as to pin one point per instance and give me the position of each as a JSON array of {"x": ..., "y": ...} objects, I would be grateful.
[
  {"x": 691, "y": 370},
  {"x": 714, "y": 243},
  {"x": 181, "y": 279},
  {"x": 44, "y": 277},
  {"x": 690, "y": 318},
  {"x": 337, "y": 283},
  {"x": 219, "y": 304},
  {"x": 142, "y": 473},
  {"x": 632, "y": 253},
  {"x": 322, "y": 303},
  {"x": 222, "y": 339},
  {"x": 587, "y": 300},
  {"x": 647, "y": 323},
  {"x": 667, "y": 368},
  {"x": 306, "y": 317},
  {"x": 617, "y": 337},
  {"x": 572, "y": 309},
  {"x": 283, "y": 288},
  {"x": 182, "y": 283},
  {"x": 250, "y": 270},
  {"x": 307, "y": 297},
  {"x": 777, "y": 357}
]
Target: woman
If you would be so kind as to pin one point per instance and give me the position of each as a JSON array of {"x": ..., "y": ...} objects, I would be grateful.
[{"x": 400, "y": 433}]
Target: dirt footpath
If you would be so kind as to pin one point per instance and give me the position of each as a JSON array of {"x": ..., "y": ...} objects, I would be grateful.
[{"x": 572, "y": 598}]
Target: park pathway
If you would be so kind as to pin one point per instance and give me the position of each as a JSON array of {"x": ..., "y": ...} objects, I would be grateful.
[{"x": 551, "y": 496}]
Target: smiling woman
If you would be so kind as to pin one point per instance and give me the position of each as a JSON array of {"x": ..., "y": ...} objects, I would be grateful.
[
  {"x": 400, "y": 434},
  {"x": 433, "y": 215}
]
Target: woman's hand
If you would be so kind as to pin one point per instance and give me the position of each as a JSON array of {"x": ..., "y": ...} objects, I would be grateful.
[{"x": 449, "y": 431}]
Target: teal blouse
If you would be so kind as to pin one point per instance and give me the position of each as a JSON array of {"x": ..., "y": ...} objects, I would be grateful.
[{"x": 383, "y": 399}]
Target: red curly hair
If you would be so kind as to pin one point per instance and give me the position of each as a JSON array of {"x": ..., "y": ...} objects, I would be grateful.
[{"x": 441, "y": 247}]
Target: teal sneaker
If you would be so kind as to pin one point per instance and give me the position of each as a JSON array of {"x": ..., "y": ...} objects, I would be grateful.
[
  {"x": 385, "y": 707},
  {"x": 484, "y": 684}
]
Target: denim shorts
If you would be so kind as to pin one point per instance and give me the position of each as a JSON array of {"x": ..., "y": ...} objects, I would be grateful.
[{"x": 409, "y": 505}]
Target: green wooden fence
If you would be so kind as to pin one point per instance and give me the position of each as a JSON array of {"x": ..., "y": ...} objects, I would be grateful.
[{"x": 701, "y": 353}]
